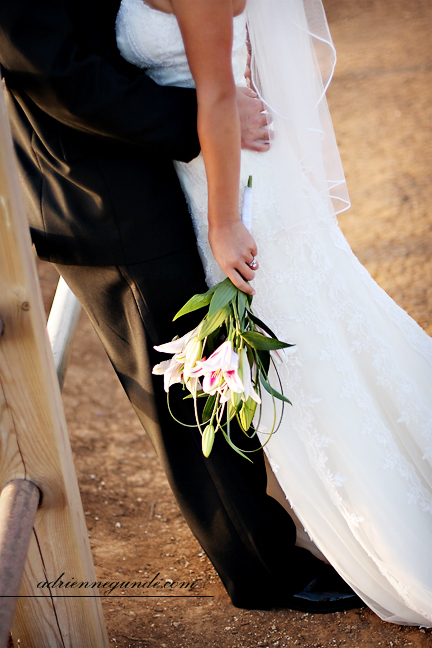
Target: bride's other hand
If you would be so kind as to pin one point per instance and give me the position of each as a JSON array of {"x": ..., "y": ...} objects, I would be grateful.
[
  {"x": 254, "y": 122},
  {"x": 234, "y": 249}
]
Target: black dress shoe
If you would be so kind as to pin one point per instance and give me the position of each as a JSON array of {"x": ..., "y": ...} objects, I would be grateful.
[
  {"x": 328, "y": 592},
  {"x": 314, "y": 599}
]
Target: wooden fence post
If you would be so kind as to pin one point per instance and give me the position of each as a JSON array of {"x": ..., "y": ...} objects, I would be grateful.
[{"x": 34, "y": 444}]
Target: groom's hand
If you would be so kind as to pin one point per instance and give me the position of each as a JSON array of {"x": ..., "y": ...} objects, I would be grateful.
[{"x": 253, "y": 121}]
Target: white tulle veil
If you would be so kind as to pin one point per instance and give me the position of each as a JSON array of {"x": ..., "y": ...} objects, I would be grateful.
[
  {"x": 351, "y": 460},
  {"x": 292, "y": 63}
]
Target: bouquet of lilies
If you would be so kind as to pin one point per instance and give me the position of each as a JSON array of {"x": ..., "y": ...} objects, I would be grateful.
[{"x": 226, "y": 360}]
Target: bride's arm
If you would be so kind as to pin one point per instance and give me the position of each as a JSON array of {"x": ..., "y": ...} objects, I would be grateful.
[{"x": 206, "y": 27}]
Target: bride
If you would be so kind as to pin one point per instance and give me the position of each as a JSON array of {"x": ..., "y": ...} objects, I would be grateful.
[{"x": 353, "y": 455}]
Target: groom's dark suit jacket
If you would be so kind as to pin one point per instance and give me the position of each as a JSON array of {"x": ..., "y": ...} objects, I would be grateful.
[{"x": 94, "y": 136}]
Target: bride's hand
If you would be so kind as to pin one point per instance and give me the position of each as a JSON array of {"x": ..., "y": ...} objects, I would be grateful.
[{"x": 234, "y": 249}]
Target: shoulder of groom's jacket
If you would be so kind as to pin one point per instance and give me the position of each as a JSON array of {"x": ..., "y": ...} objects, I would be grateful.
[{"x": 62, "y": 56}]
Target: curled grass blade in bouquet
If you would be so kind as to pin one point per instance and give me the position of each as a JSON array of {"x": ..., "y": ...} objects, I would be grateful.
[{"x": 226, "y": 360}]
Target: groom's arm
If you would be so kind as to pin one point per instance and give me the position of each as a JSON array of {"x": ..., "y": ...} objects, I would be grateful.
[{"x": 43, "y": 58}]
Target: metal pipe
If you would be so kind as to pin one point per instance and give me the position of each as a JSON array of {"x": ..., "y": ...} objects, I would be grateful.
[
  {"x": 19, "y": 501},
  {"x": 62, "y": 324}
]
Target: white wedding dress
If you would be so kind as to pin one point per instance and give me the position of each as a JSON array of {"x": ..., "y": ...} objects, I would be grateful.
[{"x": 353, "y": 454}]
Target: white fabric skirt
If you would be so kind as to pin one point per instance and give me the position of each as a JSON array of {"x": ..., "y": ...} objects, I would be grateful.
[{"x": 353, "y": 454}]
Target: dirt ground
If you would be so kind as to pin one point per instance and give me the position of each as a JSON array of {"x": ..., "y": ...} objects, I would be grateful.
[{"x": 381, "y": 106}]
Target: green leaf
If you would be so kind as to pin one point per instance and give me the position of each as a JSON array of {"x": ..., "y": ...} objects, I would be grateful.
[
  {"x": 247, "y": 413},
  {"x": 232, "y": 410},
  {"x": 223, "y": 294},
  {"x": 230, "y": 443},
  {"x": 208, "y": 408},
  {"x": 264, "y": 357},
  {"x": 212, "y": 323},
  {"x": 194, "y": 303},
  {"x": 272, "y": 391},
  {"x": 265, "y": 328},
  {"x": 234, "y": 405},
  {"x": 241, "y": 304},
  {"x": 251, "y": 355},
  {"x": 258, "y": 322},
  {"x": 261, "y": 342},
  {"x": 210, "y": 345},
  {"x": 200, "y": 394},
  {"x": 234, "y": 447}
]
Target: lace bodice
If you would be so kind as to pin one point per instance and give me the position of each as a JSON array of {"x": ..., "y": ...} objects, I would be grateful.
[{"x": 152, "y": 40}]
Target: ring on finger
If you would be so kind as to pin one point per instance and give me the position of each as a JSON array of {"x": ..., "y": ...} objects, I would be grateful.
[{"x": 253, "y": 264}]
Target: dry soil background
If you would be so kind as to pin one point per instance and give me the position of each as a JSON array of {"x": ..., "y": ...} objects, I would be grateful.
[{"x": 381, "y": 105}]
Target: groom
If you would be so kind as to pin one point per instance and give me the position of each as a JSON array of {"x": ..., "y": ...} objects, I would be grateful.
[{"x": 94, "y": 138}]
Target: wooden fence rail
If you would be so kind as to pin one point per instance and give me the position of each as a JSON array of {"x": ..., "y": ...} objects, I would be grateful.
[
  {"x": 34, "y": 445},
  {"x": 19, "y": 501}
]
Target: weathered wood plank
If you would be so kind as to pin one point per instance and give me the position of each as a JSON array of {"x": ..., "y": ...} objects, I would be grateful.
[{"x": 34, "y": 443}]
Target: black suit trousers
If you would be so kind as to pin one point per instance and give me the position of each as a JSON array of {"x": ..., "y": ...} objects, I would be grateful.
[{"x": 247, "y": 535}]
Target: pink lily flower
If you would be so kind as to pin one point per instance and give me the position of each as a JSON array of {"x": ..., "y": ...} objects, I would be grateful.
[{"x": 220, "y": 370}]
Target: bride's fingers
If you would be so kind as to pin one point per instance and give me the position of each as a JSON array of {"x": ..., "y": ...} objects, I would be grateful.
[
  {"x": 265, "y": 134},
  {"x": 269, "y": 118},
  {"x": 240, "y": 283},
  {"x": 246, "y": 271},
  {"x": 259, "y": 145},
  {"x": 264, "y": 119}
]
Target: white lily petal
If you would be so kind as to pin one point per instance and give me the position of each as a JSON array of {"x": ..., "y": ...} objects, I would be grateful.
[
  {"x": 161, "y": 368},
  {"x": 225, "y": 395},
  {"x": 176, "y": 345},
  {"x": 224, "y": 358},
  {"x": 173, "y": 374},
  {"x": 234, "y": 381},
  {"x": 192, "y": 385},
  {"x": 212, "y": 382},
  {"x": 195, "y": 372},
  {"x": 245, "y": 374},
  {"x": 254, "y": 396}
]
